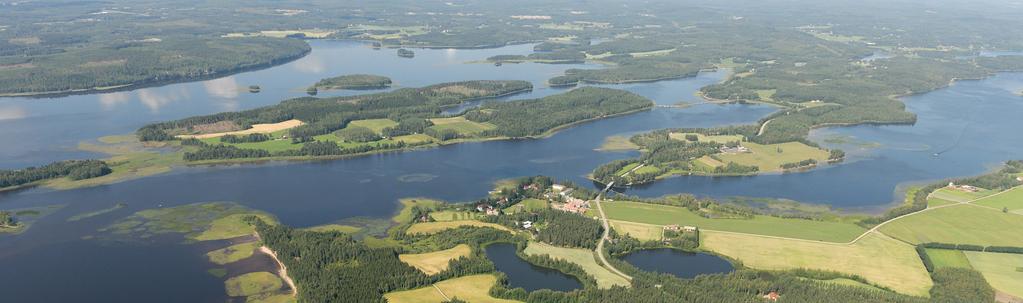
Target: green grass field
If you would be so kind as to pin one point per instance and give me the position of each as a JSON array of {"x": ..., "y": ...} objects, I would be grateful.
[
  {"x": 958, "y": 195},
  {"x": 233, "y": 253},
  {"x": 434, "y": 227},
  {"x": 763, "y": 225},
  {"x": 582, "y": 257},
  {"x": 948, "y": 258},
  {"x": 450, "y": 215},
  {"x": 1003, "y": 271},
  {"x": 767, "y": 157},
  {"x": 433, "y": 263},
  {"x": 960, "y": 224},
  {"x": 639, "y": 231},
  {"x": 230, "y": 227},
  {"x": 376, "y": 125},
  {"x": 348, "y": 229},
  {"x": 473, "y": 289},
  {"x": 877, "y": 258},
  {"x": 528, "y": 205},
  {"x": 252, "y": 284},
  {"x": 460, "y": 125},
  {"x": 721, "y": 139},
  {"x": 1012, "y": 199}
]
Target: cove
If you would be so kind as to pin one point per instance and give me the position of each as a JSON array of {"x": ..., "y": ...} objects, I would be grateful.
[
  {"x": 685, "y": 265},
  {"x": 525, "y": 275}
]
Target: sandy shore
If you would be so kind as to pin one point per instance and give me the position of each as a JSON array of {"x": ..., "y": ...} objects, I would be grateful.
[
  {"x": 283, "y": 272},
  {"x": 256, "y": 128}
]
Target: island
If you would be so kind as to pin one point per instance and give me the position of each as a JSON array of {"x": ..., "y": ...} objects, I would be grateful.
[
  {"x": 8, "y": 223},
  {"x": 406, "y": 53},
  {"x": 308, "y": 127},
  {"x": 355, "y": 81},
  {"x": 71, "y": 169}
]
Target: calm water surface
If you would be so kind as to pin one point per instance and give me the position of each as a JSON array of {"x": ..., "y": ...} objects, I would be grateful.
[
  {"x": 528, "y": 276},
  {"x": 971, "y": 126},
  {"x": 685, "y": 265}
]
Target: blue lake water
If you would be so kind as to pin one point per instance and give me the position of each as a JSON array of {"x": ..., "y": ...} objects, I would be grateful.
[
  {"x": 685, "y": 265},
  {"x": 972, "y": 126},
  {"x": 525, "y": 275}
]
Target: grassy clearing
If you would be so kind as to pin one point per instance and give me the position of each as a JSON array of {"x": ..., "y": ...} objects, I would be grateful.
[
  {"x": 582, "y": 257},
  {"x": 405, "y": 214},
  {"x": 460, "y": 125},
  {"x": 709, "y": 162},
  {"x": 450, "y": 215},
  {"x": 433, "y": 263},
  {"x": 231, "y": 226},
  {"x": 948, "y": 258},
  {"x": 766, "y": 94},
  {"x": 376, "y": 125},
  {"x": 1003, "y": 271},
  {"x": 530, "y": 205},
  {"x": 124, "y": 167},
  {"x": 255, "y": 129},
  {"x": 617, "y": 143},
  {"x": 1012, "y": 199},
  {"x": 722, "y": 139},
  {"x": 252, "y": 284},
  {"x": 473, "y": 289},
  {"x": 232, "y": 253},
  {"x": 638, "y": 230},
  {"x": 348, "y": 229},
  {"x": 770, "y": 157},
  {"x": 879, "y": 259},
  {"x": 434, "y": 227},
  {"x": 763, "y": 225},
  {"x": 960, "y": 196},
  {"x": 960, "y": 224}
]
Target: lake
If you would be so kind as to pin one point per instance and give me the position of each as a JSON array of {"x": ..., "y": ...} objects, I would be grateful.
[
  {"x": 963, "y": 124},
  {"x": 528, "y": 276},
  {"x": 685, "y": 265}
]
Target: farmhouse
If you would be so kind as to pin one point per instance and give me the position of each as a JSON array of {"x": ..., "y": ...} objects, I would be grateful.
[
  {"x": 734, "y": 150},
  {"x": 966, "y": 188}
]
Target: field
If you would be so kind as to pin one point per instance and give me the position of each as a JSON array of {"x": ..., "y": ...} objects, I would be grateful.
[
  {"x": 348, "y": 229},
  {"x": 255, "y": 129},
  {"x": 879, "y": 259},
  {"x": 433, "y": 263},
  {"x": 582, "y": 257},
  {"x": 960, "y": 196},
  {"x": 228, "y": 227},
  {"x": 1012, "y": 199},
  {"x": 530, "y": 205},
  {"x": 460, "y": 125},
  {"x": 705, "y": 138},
  {"x": 617, "y": 143},
  {"x": 948, "y": 258},
  {"x": 638, "y": 230},
  {"x": 960, "y": 224},
  {"x": 768, "y": 157},
  {"x": 433, "y": 227},
  {"x": 473, "y": 289},
  {"x": 251, "y": 284},
  {"x": 450, "y": 215},
  {"x": 405, "y": 214},
  {"x": 376, "y": 125},
  {"x": 232, "y": 253},
  {"x": 763, "y": 225},
  {"x": 1003, "y": 271}
]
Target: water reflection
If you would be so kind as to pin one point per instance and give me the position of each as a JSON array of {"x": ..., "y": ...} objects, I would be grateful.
[{"x": 12, "y": 113}]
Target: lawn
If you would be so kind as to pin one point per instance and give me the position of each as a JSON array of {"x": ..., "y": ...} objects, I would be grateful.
[
  {"x": 376, "y": 125},
  {"x": 877, "y": 258},
  {"x": 638, "y": 230},
  {"x": 460, "y": 125},
  {"x": 960, "y": 224},
  {"x": 253, "y": 283},
  {"x": 433, "y": 263},
  {"x": 232, "y": 253},
  {"x": 473, "y": 289},
  {"x": 763, "y": 225},
  {"x": 1003, "y": 271},
  {"x": 768, "y": 157},
  {"x": 722, "y": 139},
  {"x": 1011, "y": 199},
  {"x": 948, "y": 258},
  {"x": 434, "y": 227},
  {"x": 582, "y": 257}
]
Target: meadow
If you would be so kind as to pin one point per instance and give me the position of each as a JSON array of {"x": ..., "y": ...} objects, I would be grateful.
[
  {"x": 948, "y": 258},
  {"x": 473, "y": 289},
  {"x": 232, "y": 253},
  {"x": 434, "y": 227},
  {"x": 959, "y": 224},
  {"x": 770, "y": 157},
  {"x": 641, "y": 231},
  {"x": 1011, "y": 200},
  {"x": 1003, "y": 271},
  {"x": 460, "y": 125},
  {"x": 582, "y": 257},
  {"x": 252, "y": 284},
  {"x": 877, "y": 258},
  {"x": 763, "y": 225},
  {"x": 435, "y": 262}
]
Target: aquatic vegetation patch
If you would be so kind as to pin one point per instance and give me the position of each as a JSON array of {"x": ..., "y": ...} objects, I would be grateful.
[{"x": 200, "y": 221}]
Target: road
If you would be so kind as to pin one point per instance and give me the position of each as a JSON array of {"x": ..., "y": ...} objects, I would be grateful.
[{"x": 607, "y": 226}]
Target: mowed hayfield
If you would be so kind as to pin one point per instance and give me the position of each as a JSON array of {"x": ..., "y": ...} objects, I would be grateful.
[
  {"x": 434, "y": 227},
  {"x": 376, "y": 125},
  {"x": 639, "y": 231},
  {"x": 255, "y": 129},
  {"x": 763, "y": 225},
  {"x": 1003, "y": 271},
  {"x": 722, "y": 139},
  {"x": 959, "y": 224},
  {"x": 877, "y": 258},
  {"x": 473, "y": 289},
  {"x": 1011, "y": 200},
  {"x": 460, "y": 125},
  {"x": 582, "y": 257},
  {"x": 948, "y": 258},
  {"x": 768, "y": 157},
  {"x": 955, "y": 195},
  {"x": 528, "y": 205},
  {"x": 435, "y": 262}
]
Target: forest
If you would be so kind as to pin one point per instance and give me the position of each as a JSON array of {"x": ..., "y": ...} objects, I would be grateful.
[
  {"x": 356, "y": 81},
  {"x": 73, "y": 169},
  {"x": 535, "y": 117}
]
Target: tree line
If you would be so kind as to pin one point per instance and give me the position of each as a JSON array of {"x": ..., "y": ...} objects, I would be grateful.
[{"x": 73, "y": 169}]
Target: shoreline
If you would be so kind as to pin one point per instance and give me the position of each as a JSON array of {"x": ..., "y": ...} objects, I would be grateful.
[{"x": 282, "y": 270}]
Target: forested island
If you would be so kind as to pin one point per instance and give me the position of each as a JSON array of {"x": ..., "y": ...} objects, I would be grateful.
[
  {"x": 71, "y": 169},
  {"x": 356, "y": 81},
  {"x": 404, "y": 118}
]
